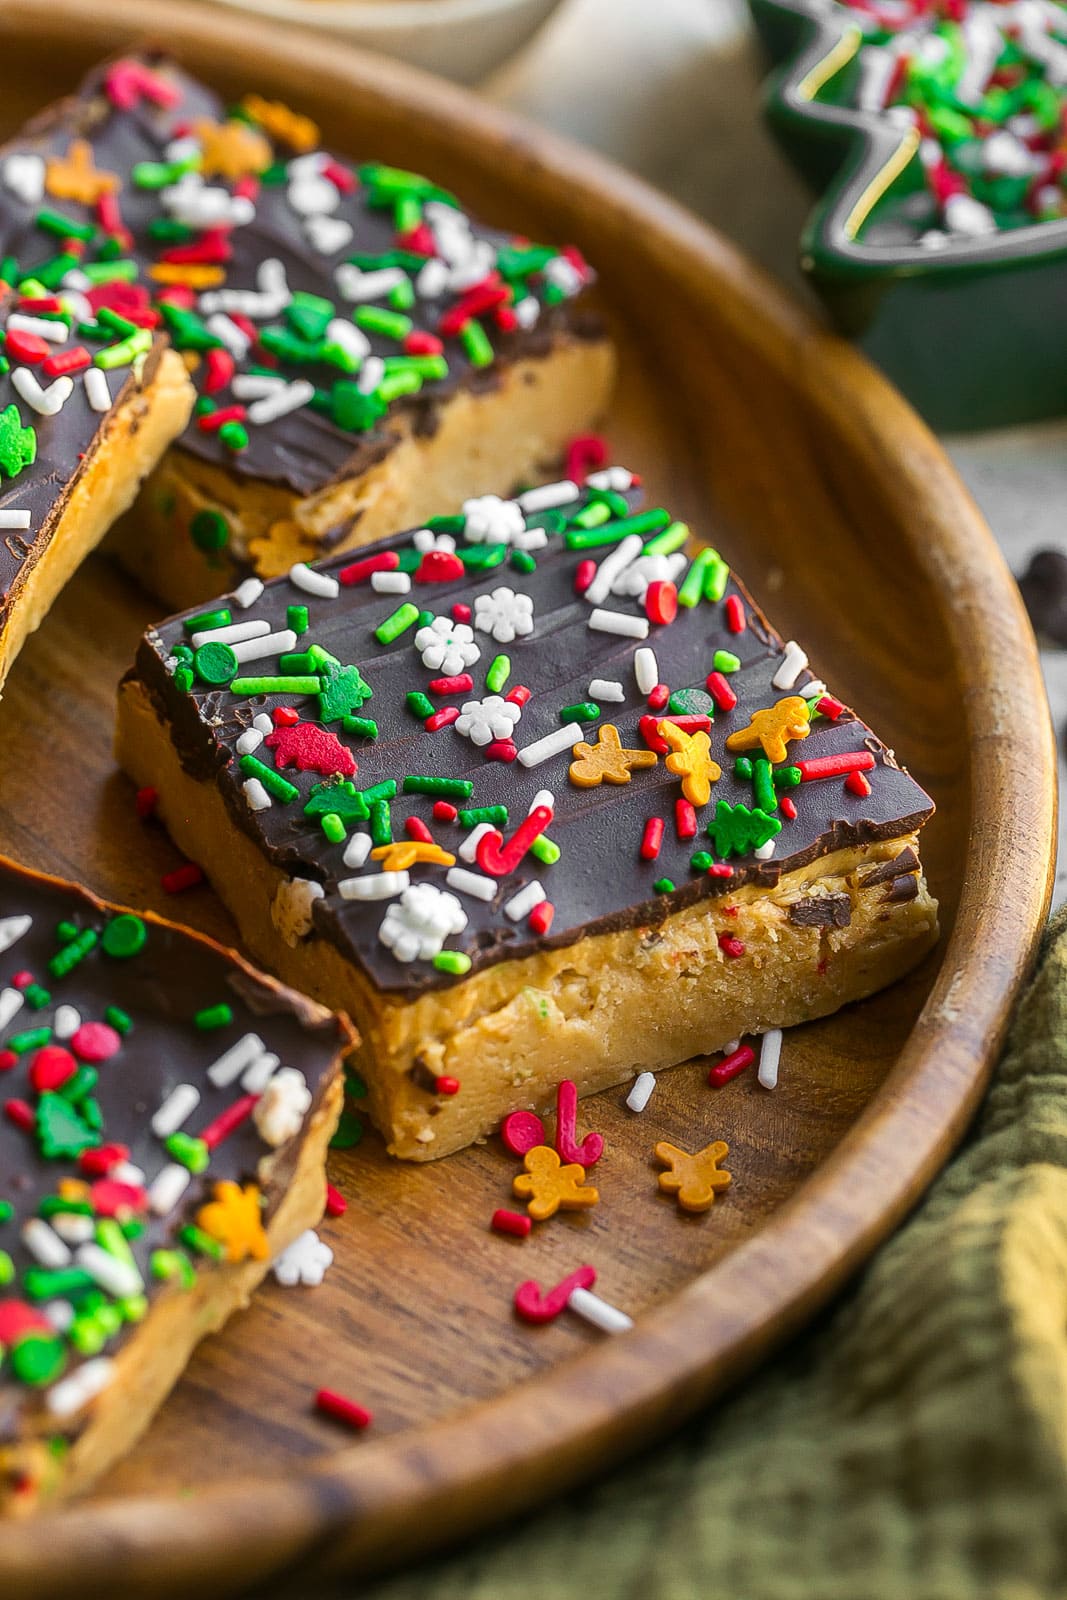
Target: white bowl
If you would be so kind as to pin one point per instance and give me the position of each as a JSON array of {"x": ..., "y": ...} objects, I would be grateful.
[{"x": 460, "y": 39}]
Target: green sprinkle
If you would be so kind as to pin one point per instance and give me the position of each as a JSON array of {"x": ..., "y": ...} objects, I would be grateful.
[
  {"x": 377, "y": 319},
  {"x": 353, "y": 410},
  {"x": 691, "y": 703},
  {"x": 309, "y": 314},
  {"x": 480, "y": 556},
  {"x": 70, "y": 955},
  {"x": 296, "y": 618},
  {"x": 402, "y": 619},
  {"x": 215, "y": 663},
  {"x": 476, "y": 343},
  {"x": 701, "y": 861},
  {"x": 362, "y": 727},
  {"x": 735, "y": 830},
  {"x": 349, "y": 1131},
  {"x": 126, "y": 352},
  {"x": 124, "y": 936},
  {"x": 546, "y": 850},
  {"x": 497, "y": 816},
  {"x": 743, "y": 768},
  {"x": 212, "y": 1017},
  {"x": 298, "y": 685},
  {"x": 498, "y": 674},
  {"x": 386, "y": 790},
  {"x": 202, "y": 1243},
  {"x": 716, "y": 577},
  {"x": 419, "y": 703},
  {"x": 763, "y": 785},
  {"x": 333, "y": 828},
  {"x": 381, "y": 827},
  {"x": 582, "y": 711},
  {"x": 425, "y": 366},
  {"x": 7, "y": 1270},
  {"x": 209, "y": 530},
  {"x": 116, "y": 323},
  {"x": 443, "y": 788},
  {"x": 168, "y": 1264},
  {"x": 523, "y": 561},
  {"x": 398, "y": 383},
  {"x": 120, "y": 1020},
  {"x": 36, "y": 997},
  {"x": 453, "y": 961},
  {"x": 592, "y": 515},
  {"x": 184, "y": 678},
  {"x": 585, "y": 538},
  {"x": 64, "y": 227},
  {"x": 726, "y": 661},
  {"x": 234, "y": 435},
  {"x": 666, "y": 543},
  {"x": 38, "y": 1358},
  {"x": 208, "y": 621},
  {"x": 66, "y": 931},
  {"x": 692, "y": 589},
  {"x": 787, "y": 777},
  {"x": 189, "y": 1151},
  {"x": 31, "y": 1039},
  {"x": 664, "y": 885},
  {"x": 272, "y": 781},
  {"x": 7, "y": 1211}
]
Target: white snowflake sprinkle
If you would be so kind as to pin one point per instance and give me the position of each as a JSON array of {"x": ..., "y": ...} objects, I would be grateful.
[
  {"x": 482, "y": 721},
  {"x": 416, "y": 926},
  {"x": 504, "y": 614},
  {"x": 304, "y": 1262},
  {"x": 490, "y": 520},
  {"x": 280, "y": 1110},
  {"x": 447, "y": 646}
]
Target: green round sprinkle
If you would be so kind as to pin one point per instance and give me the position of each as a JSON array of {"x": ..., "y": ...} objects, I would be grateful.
[
  {"x": 420, "y": 704},
  {"x": 234, "y": 435},
  {"x": 583, "y": 711},
  {"x": 402, "y": 618},
  {"x": 349, "y": 1131},
  {"x": 663, "y": 886},
  {"x": 209, "y": 530},
  {"x": 453, "y": 961},
  {"x": 691, "y": 703},
  {"x": 124, "y": 936},
  {"x": 701, "y": 861},
  {"x": 296, "y": 618},
  {"x": 442, "y": 788},
  {"x": 498, "y": 674},
  {"x": 726, "y": 661},
  {"x": 38, "y": 1358},
  {"x": 215, "y": 664},
  {"x": 212, "y": 1017}
]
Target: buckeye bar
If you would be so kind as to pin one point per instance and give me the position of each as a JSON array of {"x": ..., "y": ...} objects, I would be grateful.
[
  {"x": 164, "y": 1117},
  {"x": 535, "y": 794},
  {"x": 364, "y": 352}
]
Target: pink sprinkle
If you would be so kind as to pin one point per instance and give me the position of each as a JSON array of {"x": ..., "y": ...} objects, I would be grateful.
[
  {"x": 95, "y": 1041},
  {"x": 731, "y": 946}
]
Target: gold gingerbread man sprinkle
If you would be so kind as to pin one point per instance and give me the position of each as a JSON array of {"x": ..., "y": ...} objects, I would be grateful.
[
  {"x": 76, "y": 177},
  {"x": 233, "y": 1218},
  {"x": 232, "y": 149},
  {"x": 693, "y": 1179},
  {"x": 405, "y": 853},
  {"x": 550, "y": 1187},
  {"x": 277, "y": 119},
  {"x": 690, "y": 760},
  {"x": 787, "y": 719},
  {"x": 607, "y": 761}
]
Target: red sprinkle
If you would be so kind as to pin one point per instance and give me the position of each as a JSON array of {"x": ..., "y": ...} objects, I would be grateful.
[
  {"x": 95, "y": 1041},
  {"x": 584, "y": 575},
  {"x": 99, "y": 1162},
  {"x": 360, "y": 571},
  {"x": 652, "y": 838},
  {"x": 731, "y": 946},
  {"x": 650, "y": 733},
  {"x": 417, "y": 829},
  {"x": 506, "y": 319},
  {"x": 856, "y": 783},
  {"x": 146, "y": 802},
  {"x": 336, "y": 1204},
  {"x": 441, "y": 719},
  {"x": 658, "y": 696},
  {"x": 212, "y": 421},
  {"x": 447, "y": 1085},
  {"x": 541, "y": 917},
  {"x": 519, "y": 695},
  {"x": 339, "y": 176},
  {"x": 685, "y": 819},
  {"x": 720, "y": 691},
  {"x": 787, "y": 808},
  {"x": 285, "y": 716},
  {"x": 112, "y": 1199},
  {"x": 52, "y": 1066},
  {"x": 585, "y": 454},
  {"x": 517, "y": 1223},
  {"x": 422, "y": 343},
  {"x": 492, "y": 291},
  {"x": 8, "y": 1059},
  {"x": 184, "y": 877},
  {"x": 26, "y": 347},
  {"x": 420, "y": 241},
  {"x": 500, "y": 750},
  {"x": 461, "y": 684},
  {"x": 730, "y": 1066},
  {"x": 22, "y": 980},
  {"x": 47, "y": 302},
  {"x": 341, "y": 1409},
  {"x": 439, "y": 566},
  {"x": 227, "y": 1121},
  {"x": 218, "y": 370},
  {"x": 64, "y": 361},
  {"x": 444, "y": 811},
  {"x": 735, "y": 613},
  {"x": 720, "y": 869},
  {"x": 461, "y": 611},
  {"x": 829, "y": 707},
  {"x": 18, "y": 1112},
  {"x": 661, "y": 602},
  {"x": 835, "y": 766}
]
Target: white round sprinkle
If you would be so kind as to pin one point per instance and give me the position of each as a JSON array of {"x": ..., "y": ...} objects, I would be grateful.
[{"x": 66, "y": 1021}]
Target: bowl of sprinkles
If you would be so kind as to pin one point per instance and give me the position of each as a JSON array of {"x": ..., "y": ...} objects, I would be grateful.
[{"x": 936, "y": 134}]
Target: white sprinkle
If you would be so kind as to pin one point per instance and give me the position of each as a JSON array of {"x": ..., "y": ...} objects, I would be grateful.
[
  {"x": 263, "y": 723},
  {"x": 265, "y": 644},
  {"x": 46, "y": 402},
  {"x": 312, "y": 582},
  {"x": 10, "y": 1003},
  {"x": 327, "y": 235},
  {"x": 60, "y": 1314},
  {"x": 471, "y": 883},
  {"x": 176, "y": 1109},
  {"x": 521, "y": 904},
  {"x": 357, "y": 850},
  {"x": 24, "y": 175},
  {"x": 468, "y": 850},
  {"x": 614, "y": 478},
  {"x": 168, "y": 1188},
  {"x": 432, "y": 280},
  {"x": 612, "y": 565},
  {"x": 764, "y": 851},
  {"x": 813, "y": 690},
  {"x": 352, "y": 340},
  {"x": 72, "y": 1228},
  {"x": 247, "y": 592},
  {"x": 309, "y": 165},
  {"x": 646, "y": 669},
  {"x": 543, "y": 797},
  {"x": 259, "y": 1074},
  {"x": 126, "y": 1172},
  {"x": 390, "y": 582},
  {"x": 281, "y": 403},
  {"x": 255, "y": 385},
  {"x": 83, "y": 1385},
  {"x": 236, "y": 341},
  {"x": 375, "y": 886},
  {"x": 44, "y": 1244},
  {"x": 769, "y": 1056},
  {"x": 54, "y": 332},
  {"x": 96, "y": 388},
  {"x": 66, "y": 1022},
  {"x": 370, "y": 374},
  {"x": 641, "y": 1093},
  {"x": 729, "y": 1049},
  {"x": 423, "y": 540},
  {"x": 12, "y": 929},
  {"x": 528, "y": 311},
  {"x": 229, "y": 1066},
  {"x": 11, "y": 518},
  {"x": 250, "y": 740},
  {"x": 549, "y": 495},
  {"x": 360, "y": 286},
  {"x": 618, "y": 622},
  {"x": 553, "y": 744},
  {"x": 793, "y": 664},
  {"x": 232, "y": 633},
  {"x": 257, "y": 797},
  {"x": 590, "y": 1306},
  {"x": 606, "y": 689},
  {"x": 532, "y": 539}
]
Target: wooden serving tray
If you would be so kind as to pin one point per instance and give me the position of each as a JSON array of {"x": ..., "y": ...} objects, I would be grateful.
[{"x": 800, "y": 463}]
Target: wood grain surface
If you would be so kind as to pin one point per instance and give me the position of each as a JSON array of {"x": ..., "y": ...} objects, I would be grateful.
[{"x": 836, "y": 504}]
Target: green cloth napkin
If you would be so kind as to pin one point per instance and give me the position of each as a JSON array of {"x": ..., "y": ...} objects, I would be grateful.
[{"x": 911, "y": 1446}]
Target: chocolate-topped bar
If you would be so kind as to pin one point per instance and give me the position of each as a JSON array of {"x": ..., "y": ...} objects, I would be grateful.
[
  {"x": 164, "y": 1117},
  {"x": 537, "y": 792},
  {"x": 364, "y": 352},
  {"x": 87, "y": 407}
]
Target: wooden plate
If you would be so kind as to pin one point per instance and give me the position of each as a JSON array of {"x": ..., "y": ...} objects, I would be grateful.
[{"x": 805, "y": 468}]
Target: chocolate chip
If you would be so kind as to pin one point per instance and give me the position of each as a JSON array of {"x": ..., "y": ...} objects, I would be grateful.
[{"x": 822, "y": 911}]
